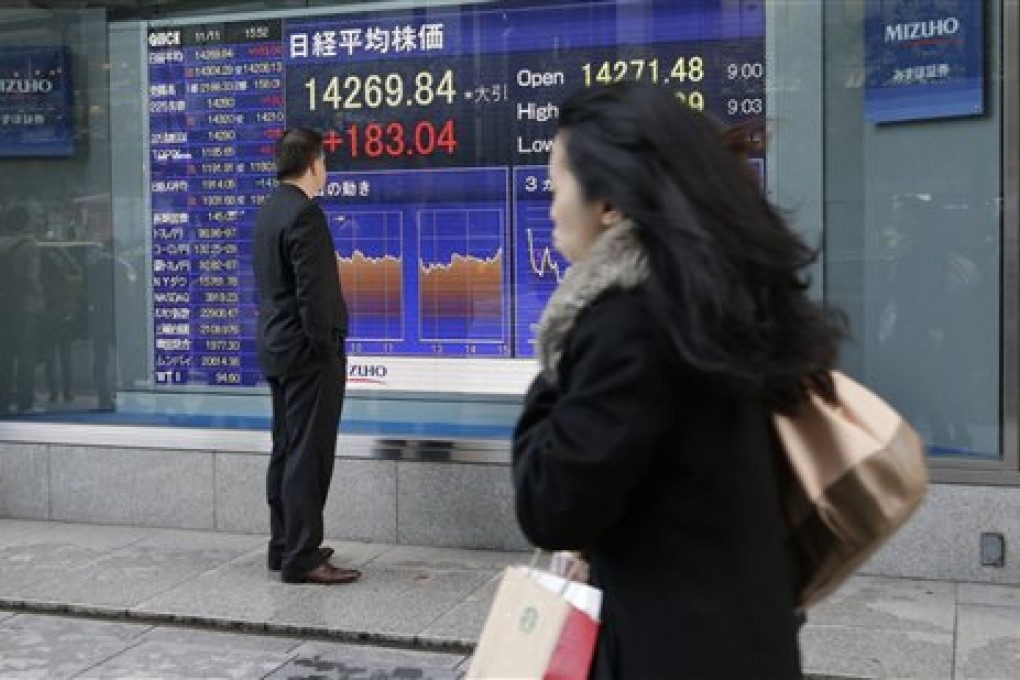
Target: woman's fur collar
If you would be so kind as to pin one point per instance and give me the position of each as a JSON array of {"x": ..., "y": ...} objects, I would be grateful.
[{"x": 616, "y": 260}]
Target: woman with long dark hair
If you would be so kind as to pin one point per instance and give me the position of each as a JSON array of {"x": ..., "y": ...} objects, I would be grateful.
[{"x": 645, "y": 441}]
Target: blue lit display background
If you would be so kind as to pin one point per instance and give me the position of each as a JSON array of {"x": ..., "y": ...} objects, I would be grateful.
[
  {"x": 538, "y": 266},
  {"x": 432, "y": 225},
  {"x": 446, "y": 251}
]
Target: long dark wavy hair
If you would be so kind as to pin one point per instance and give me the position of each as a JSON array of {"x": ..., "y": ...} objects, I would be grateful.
[{"x": 728, "y": 273}]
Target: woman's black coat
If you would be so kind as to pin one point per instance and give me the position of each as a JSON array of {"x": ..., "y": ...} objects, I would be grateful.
[{"x": 666, "y": 483}]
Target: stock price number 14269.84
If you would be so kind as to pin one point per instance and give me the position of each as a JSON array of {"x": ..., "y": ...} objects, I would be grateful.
[
  {"x": 393, "y": 140},
  {"x": 376, "y": 90}
]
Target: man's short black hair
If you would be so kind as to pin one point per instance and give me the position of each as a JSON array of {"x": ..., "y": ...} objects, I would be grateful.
[{"x": 296, "y": 150}]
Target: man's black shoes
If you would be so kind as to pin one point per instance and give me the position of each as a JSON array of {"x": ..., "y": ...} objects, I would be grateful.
[{"x": 326, "y": 574}]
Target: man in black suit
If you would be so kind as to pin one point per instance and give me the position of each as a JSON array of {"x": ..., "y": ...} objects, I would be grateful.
[{"x": 301, "y": 331}]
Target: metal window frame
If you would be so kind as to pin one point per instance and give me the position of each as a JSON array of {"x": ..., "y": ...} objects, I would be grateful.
[{"x": 255, "y": 442}]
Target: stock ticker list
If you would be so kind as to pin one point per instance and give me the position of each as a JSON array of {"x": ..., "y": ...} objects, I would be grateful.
[{"x": 437, "y": 130}]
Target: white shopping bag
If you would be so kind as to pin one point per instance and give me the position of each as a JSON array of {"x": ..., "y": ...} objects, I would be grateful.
[{"x": 540, "y": 627}]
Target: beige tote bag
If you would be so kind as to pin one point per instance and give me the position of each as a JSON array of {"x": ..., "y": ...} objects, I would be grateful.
[{"x": 852, "y": 474}]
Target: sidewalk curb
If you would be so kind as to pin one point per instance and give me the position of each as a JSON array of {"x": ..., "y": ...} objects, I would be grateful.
[{"x": 410, "y": 642}]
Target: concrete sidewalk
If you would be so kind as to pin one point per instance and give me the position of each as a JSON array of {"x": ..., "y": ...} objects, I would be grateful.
[{"x": 436, "y": 599}]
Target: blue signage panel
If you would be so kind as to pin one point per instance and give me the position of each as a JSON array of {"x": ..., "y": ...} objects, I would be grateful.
[
  {"x": 924, "y": 59},
  {"x": 437, "y": 127},
  {"x": 36, "y": 117}
]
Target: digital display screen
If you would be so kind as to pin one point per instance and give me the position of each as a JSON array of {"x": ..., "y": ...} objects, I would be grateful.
[{"x": 438, "y": 124}]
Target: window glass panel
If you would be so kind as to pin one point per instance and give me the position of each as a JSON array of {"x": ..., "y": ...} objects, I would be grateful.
[
  {"x": 912, "y": 248},
  {"x": 909, "y": 213},
  {"x": 57, "y": 246}
]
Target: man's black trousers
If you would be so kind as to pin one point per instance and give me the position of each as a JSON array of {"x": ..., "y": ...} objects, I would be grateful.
[{"x": 306, "y": 414}]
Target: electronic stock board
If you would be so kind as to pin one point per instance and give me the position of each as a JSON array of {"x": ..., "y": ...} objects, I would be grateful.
[{"x": 437, "y": 125}]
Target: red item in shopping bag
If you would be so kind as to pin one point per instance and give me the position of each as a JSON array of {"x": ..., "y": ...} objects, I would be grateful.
[
  {"x": 572, "y": 657},
  {"x": 540, "y": 627}
]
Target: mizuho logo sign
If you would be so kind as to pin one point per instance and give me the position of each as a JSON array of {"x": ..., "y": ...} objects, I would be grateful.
[
  {"x": 367, "y": 373},
  {"x": 26, "y": 85},
  {"x": 920, "y": 30}
]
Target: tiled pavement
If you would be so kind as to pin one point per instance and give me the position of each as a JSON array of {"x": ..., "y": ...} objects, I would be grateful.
[
  {"x": 132, "y": 588},
  {"x": 47, "y": 646}
]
